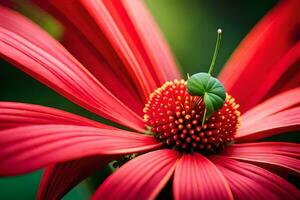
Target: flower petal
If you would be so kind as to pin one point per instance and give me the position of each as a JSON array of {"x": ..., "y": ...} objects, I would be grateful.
[
  {"x": 132, "y": 26},
  {"x": 137, "y": 25},
  {"x": 119, "y": 45},
  {"x": 286, "y": 69},
  {"x": 198, "y": 178},
  {"x": 141, "y": 178},
  {"x": 280, "y": 148},
  {"x": 28, "y": 148},
  {"x": 271, "y": 106},
  {"x": 85, "y": 32},
  {"x": 263, "y": 48},
  {"x": 248, "y": 181},
  {"x": 58, "y": 179},
  {"x": 284, "y": 155},
  {"x": 54, "y": 66},
  {"x": 284, "y": 121},
  {"x": 116, "y": 81},
  {"x": 123, "y": 47},
  {"x": 244, "y": 187},
  {"x": 13, "y": 114}
]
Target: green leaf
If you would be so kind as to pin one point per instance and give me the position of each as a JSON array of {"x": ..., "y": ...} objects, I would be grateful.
[{"x": 210, "y": 88}]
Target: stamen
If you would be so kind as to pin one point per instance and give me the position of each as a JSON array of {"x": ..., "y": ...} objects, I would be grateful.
[{"x": 175, "y": 117}]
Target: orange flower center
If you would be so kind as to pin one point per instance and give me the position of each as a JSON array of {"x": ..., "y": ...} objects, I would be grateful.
[{"x": 175, "y": 117}]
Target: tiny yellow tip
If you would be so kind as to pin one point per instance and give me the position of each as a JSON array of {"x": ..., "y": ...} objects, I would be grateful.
[{"x": 219, "y": 31}]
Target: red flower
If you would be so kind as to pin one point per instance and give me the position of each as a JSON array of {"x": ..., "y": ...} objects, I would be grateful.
[{"x": 119, "y": 58}]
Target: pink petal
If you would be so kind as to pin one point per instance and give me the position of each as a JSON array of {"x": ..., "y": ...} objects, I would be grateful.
[
  {"x": 141, "y": 178},
  {"x": 59, "y": 179},
  {"x": 260, "y": 51},
  {"x": 271, "y": 106},
  {"x": 284, "y": 121},
  {"x": 244, "y": 187},
  {"x": 280, "y": 148},
  {"x": 198, "y": 178},
  {"x": 28, "y": 148},
  {"x": 283, "y": 155},
  {"x": 14, "y": 114},
  {"x": 251, "y": 182},
  {"x": 49, "y": 62}
]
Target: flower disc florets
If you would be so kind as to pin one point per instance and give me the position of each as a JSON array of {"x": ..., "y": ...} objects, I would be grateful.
[{"x": 175, "y": 117}]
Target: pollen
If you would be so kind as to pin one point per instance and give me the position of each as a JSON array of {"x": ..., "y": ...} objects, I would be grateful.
[{"x": 175, "y": 118}]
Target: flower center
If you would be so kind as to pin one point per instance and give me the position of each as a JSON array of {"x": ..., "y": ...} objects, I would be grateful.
[{"x": 175, "y": 117}]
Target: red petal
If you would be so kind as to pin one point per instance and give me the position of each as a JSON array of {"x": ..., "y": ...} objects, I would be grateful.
[
  {"x": 280, "y": 148},
  {"x": 138, "y": 26},
  {"x": 46, "y": 60},
  {"x": 244, "y": 187},
  {"x": 85, "y": 32},
  {"x": 289, "y": 81},
  {"x": 28, "y": 148},
  {"x": 278, "y": 154},
  {"x": 271, "y": 106},
  {"x": 123, "y": 47},
  {"x": 141, "y": 178},
  {"x": 261, "y": 50},
  {"x": 14, "y": 114},
  {"x": 114, "y": 81},
  {"x": 284, "y": 121},
  {"x": 198, "y": 178},
  {"x": 251, "y": 182},
  {"x": 7, "y": 3},
  {"x": 285, "y": 70},
  {"x": 59, "y": 179}
]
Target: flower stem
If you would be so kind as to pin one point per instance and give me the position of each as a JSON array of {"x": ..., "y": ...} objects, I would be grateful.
[
  {"x": 204, "y": 116},
  {"x": 213, "y": 61}
]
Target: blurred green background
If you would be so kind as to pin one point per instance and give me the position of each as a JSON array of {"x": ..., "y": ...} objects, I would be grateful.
[{"x": 190, "y": 28}]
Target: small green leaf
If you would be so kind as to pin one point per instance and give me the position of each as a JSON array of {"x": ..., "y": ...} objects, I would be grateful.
[{"x": 210, "y": 88}]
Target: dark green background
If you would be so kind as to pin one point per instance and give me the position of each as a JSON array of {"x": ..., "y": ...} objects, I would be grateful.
[{"x": 190, "y": 28}]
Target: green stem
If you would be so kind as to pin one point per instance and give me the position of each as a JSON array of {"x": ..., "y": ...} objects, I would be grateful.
[
  {"x": 204, "y": 116},
  {"x": 213, "y": 62}
]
